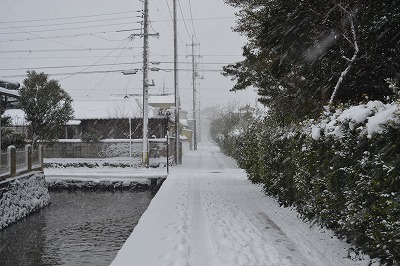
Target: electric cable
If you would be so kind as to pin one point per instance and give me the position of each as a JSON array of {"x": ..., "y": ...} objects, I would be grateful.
[{"x": 74, "y": 17}]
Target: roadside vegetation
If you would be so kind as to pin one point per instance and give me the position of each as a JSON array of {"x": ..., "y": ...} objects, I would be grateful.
[
  {"x": 46, "y": 105},
  {"x": 329, "y": 144}
]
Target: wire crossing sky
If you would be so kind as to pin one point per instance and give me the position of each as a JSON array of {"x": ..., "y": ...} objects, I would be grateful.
[{"x": 86, "y": 45}]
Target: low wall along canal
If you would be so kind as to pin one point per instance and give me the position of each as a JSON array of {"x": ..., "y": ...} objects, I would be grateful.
[
  {"x": 20, "y": 196},
  {"x": 79, "y": 227},
  {"x": 67, "y": 221}
]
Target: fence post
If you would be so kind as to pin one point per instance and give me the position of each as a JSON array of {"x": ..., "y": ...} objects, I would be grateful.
[
  {"x": 28, "y": 157},
  {"x": 167, "y": 153},
  {"x": 41, "y": 155},
  {"x": 12, "y": 160}
]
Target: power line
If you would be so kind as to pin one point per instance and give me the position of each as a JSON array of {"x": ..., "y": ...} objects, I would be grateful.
[
  {"x": 64, "y": 23},
  {"x": 165, "y": 20},
  {"x": 183, "y": 18},
  {"x": 63, "y": 50},
  {"x": 97, "y": 56},
  {"x": 70, "y": 74},
  {"x": 67, "y": 36},
  {"x": 200, "y": 19},
  {"x": 66, "y": 44},
  {"x": 100, "y": 65},
  {"x": 75, "y": 17},
  {"x": 152, "y": 89},
  {"x": 105, "y": 75},
  {"x": 68, "y": 66},
  {"x": 97, "y": 61},
  {"x": 62, "y": 29},
  {"x": 191, "y": 19}
]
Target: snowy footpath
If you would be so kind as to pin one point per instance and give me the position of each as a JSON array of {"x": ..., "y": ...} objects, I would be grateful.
[{"x": 208, "y": 213}]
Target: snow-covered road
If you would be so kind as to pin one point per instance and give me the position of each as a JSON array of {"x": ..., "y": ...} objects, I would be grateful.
[{"x": 208, "y": 213}]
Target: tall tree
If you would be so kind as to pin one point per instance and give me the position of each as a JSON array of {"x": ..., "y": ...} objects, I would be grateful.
[
  {"x": 302, "y": 55},
  {"x": 47, "y": 106}
]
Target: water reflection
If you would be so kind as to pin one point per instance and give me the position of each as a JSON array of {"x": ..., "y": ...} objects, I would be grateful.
[{"x": 78, "y": 228}]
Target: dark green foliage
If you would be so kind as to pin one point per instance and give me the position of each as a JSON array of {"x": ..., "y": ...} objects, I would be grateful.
[
  {"x": 47, "y": 106},
  {"x": 92, "y": 135},
  {"x": 6, "y": 121},
  {"x": 297, "y": 50},
  {"x": 10, "y": 137},
  {"x": 349, "y": 184}
]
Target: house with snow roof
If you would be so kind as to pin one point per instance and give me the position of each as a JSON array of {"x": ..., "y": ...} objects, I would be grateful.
[
  {"x": 9, "y": 93},
  {"x": 111, "y": 118}
]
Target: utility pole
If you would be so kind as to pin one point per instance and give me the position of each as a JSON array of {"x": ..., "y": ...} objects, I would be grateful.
[
  {"x": 199, "y": 127},
  {"x": 194, "y": 76},
  {"x": 145, "y": 35},
  {"x": 176, "y": 88},
  {"x": 145, "y": 157}
]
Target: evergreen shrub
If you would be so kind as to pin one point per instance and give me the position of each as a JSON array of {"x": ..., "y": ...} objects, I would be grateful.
[{"x": 346, "y": 179}]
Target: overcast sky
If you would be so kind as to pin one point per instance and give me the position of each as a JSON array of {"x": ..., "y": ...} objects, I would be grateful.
[{"x": 71, "y": 36}]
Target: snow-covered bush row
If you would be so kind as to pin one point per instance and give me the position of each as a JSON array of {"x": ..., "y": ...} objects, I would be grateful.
[
  {"x": 22, "y": 196},
  {"x": 341, "y": 171},
  {"x": 86, "y": 165},
  {"x": 366, "y": 119},
  {"x": 95, "y": 185}
]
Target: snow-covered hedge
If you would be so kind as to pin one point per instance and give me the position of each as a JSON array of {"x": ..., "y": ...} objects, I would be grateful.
[
  {"x": 22, "y": 196},
  {"x": 341, "y": 171}
]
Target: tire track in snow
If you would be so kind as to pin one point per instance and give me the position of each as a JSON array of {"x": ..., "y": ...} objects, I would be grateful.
[{"x": 202, "y": 248}]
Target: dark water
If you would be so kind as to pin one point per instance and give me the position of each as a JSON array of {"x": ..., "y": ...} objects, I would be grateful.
[{"x": 77, "y": 228}]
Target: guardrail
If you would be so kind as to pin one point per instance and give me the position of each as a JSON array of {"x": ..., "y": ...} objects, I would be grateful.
[{"x": 15, "y": 162}]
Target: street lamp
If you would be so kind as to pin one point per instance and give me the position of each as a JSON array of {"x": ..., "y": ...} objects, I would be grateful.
[{"x": 130, "y": 72}]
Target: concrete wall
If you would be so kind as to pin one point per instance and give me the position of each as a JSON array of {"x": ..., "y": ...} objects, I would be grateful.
[
  {"x": 21, "y": 196},
  {"x": 103, "y": 149}
]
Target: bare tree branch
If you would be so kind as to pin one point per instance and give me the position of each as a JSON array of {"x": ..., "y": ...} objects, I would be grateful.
[{"x": 350, "y": 61}]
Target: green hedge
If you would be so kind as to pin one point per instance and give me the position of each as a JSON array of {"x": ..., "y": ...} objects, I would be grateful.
[{"x": 349, "y": 184}]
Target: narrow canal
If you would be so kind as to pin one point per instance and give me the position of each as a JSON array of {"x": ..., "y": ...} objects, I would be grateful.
[{"x": 77, "y": 228}]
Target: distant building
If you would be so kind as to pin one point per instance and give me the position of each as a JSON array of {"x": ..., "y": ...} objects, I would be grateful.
[
  {"x": 8, "y": 93},
  {"x": 110, "y": 118}
]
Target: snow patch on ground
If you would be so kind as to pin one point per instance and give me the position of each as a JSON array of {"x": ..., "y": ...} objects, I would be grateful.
[
  {"x": 111, "y": 173},
  {"x": 208, "y": 213}
]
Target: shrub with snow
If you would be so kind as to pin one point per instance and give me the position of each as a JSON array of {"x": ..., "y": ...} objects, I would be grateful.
[{"x": 341, "y": 171}]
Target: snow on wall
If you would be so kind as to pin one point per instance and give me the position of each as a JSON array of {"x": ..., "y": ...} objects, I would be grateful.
[{"x": 21, "y": 196}]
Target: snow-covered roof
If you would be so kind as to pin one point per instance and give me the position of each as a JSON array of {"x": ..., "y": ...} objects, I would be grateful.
[
  {"x": 7, "y": 92},
  {"x": 17, "y": 116},
  {"x": 184, "y": 122},
  {"x": 9, "y": 84},
  {"x": 109, "y": 108},
  {"x": 73, "y": 122},
  {"x": 162, "y": 99}
]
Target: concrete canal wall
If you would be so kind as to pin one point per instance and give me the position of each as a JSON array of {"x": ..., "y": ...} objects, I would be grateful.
[{"x": 22, "y": 195}]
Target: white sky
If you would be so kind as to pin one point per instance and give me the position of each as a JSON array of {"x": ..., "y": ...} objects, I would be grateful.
[{"x": 212, "y": 22}]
